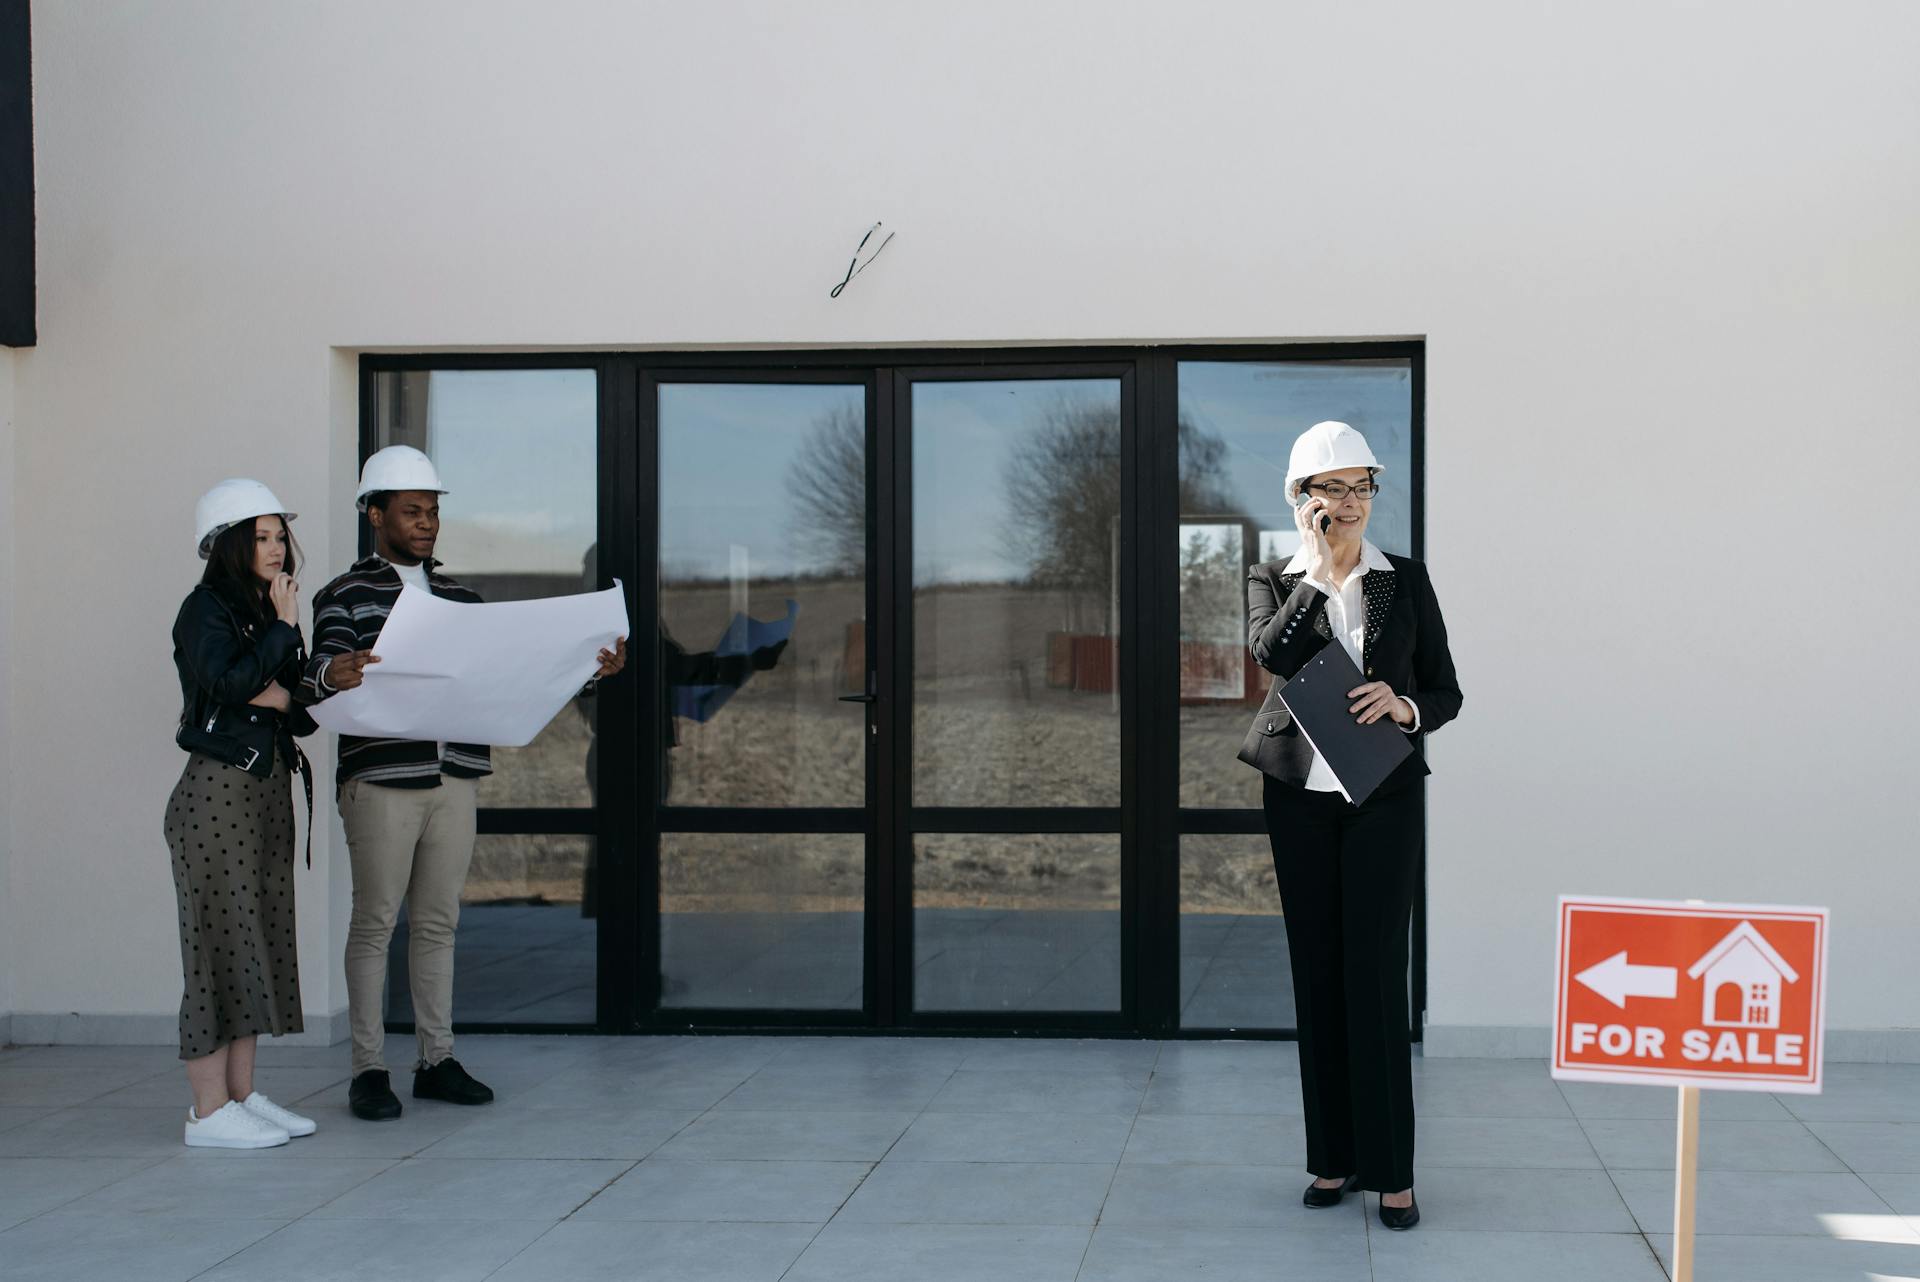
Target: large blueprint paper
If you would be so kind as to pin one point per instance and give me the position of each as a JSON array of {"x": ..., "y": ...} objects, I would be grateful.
[{"x": 464, "y": 673}]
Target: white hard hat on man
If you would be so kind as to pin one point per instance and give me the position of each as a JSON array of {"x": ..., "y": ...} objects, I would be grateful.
[
  {"x": 1327, "y": 447},
  {"x": 232, "y": 501},
  {"x": 397, "y": 467}
]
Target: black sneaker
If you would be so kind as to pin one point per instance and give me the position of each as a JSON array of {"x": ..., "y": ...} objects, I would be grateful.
[
  {"x": 450, "y": 1082},
  {"x": 371, "y": 1097}
]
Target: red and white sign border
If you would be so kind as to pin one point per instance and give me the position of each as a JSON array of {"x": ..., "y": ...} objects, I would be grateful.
[{"x": 1710, "y": 1079}]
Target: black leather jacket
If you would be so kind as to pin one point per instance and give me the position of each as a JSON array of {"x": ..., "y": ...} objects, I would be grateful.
[{"x": 223, "y": 661}]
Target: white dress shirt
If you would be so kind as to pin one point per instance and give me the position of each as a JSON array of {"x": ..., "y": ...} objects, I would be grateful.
[{"x": 1347, "y": 617}]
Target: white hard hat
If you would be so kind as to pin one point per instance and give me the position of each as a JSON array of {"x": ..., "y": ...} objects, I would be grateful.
[
  {"x": 398, "y": 467},
  {"x": 229, "y": 503},
  {"x": 1327, "y": 447}
]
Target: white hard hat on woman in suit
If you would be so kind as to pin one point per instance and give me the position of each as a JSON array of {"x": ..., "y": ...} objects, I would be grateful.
[{"x": 1327, "y": 447}]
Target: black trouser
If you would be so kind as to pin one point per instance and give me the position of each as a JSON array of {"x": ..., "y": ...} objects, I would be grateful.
[{"x": 1347, "y": 876}]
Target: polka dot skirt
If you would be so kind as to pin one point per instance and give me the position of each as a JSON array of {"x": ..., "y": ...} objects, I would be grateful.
[{"x": 231, "y": 834}]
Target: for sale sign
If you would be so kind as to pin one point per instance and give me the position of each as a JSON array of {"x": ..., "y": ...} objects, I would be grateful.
[{"x": 1690, "y": 994}]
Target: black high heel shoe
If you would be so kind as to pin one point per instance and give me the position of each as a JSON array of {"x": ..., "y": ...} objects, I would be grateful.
[
  {"x": 1400, "y": 1217},
  {"x": 1319, "y": 1197}
]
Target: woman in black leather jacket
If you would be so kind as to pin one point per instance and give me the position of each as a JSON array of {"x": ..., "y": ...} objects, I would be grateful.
[{"x": 238, "y": 650}]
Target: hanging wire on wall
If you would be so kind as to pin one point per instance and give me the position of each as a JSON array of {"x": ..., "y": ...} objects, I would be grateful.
[{"x": 855, "y": 267}]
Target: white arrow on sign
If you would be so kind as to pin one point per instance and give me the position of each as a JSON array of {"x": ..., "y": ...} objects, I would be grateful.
[{"x": 1617, "y": 979}]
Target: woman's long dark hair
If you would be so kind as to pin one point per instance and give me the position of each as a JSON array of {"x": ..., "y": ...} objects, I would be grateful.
[{"x": 230, "y": 569}]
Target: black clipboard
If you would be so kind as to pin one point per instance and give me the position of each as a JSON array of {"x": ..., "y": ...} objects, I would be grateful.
[{"x": 1361, "y": 757}]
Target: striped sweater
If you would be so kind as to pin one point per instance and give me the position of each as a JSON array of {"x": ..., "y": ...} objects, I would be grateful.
[{"x": 347, "y": 615}]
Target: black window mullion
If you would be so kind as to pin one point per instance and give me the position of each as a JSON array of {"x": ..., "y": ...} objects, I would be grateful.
[
  {"x": 645, "y": 594},
  {"x": 885, "y": 933}
]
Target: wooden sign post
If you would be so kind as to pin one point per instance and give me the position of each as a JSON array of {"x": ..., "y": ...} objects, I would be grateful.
[{"x": 1686, "y": 1166}]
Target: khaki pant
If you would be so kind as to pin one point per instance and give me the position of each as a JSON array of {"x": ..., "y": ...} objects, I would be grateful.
[{"x": 408, "y": 845}]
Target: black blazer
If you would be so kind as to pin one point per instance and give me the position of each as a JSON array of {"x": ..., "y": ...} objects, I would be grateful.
[{"x": 1406, "y": 647}]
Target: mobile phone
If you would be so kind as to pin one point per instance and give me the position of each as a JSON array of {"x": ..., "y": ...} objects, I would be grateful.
[{"x": 1302, "y": 499}]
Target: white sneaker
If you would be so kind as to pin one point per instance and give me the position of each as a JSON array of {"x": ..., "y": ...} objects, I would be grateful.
[
  {"x": 284, "y": 1118},
  {"x": 232, "y": 1126}
]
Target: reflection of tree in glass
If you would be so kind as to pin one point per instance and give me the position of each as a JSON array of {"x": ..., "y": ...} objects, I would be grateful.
[
  {"x": 1212, "y": 597},
  {"x": 1205, "y": 488},
  {"x": 828, "y": 481},
  {"x": 1213, "y": 561},
  {"x": 1062, "y": 487}
]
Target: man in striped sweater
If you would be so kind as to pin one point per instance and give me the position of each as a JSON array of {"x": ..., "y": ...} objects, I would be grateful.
[{"x": 409, "y": 806}]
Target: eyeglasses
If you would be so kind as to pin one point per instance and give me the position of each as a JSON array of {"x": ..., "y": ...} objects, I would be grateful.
[{"x": 1337, "y": 490}]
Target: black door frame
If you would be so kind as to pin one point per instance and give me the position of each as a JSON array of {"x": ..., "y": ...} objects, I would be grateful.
[{"x": 1149, "y": 821}]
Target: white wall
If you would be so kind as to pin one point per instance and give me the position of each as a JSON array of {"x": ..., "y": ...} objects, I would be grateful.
[{"x": 1664, "y": 257}]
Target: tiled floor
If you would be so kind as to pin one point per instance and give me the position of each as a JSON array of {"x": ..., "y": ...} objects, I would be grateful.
[{"x": 806, "y": 1159}]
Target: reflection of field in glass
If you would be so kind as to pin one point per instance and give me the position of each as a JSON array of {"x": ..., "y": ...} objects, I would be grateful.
[
  {"x": 997, "y": 734},
  {"x": 517, "y": 868}
]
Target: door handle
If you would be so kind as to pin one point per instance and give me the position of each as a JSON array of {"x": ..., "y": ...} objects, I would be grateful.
[{"x": 856, "y": 698}]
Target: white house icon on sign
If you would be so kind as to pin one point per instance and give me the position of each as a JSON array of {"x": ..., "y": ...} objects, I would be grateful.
[{"x": 1743, "y": 979}]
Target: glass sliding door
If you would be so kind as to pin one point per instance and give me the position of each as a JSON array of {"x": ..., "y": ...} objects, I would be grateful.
[
  {"x": 518, "y": 452},
  {"x": 1236, "y": 423},
  {"x": 1018, "y": 567},
  {"x": 764, "y": 661}
]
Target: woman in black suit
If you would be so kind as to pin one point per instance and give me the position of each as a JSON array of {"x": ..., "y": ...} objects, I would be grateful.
[{"x": 1348, "y": 873}]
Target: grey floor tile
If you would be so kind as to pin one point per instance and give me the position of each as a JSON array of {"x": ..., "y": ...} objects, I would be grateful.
[
  {"x": 848, "y": 1252},
  {"x": 1854, "y": 1093},
  {"x": 341, "y": 1134},
  {"x": 1094, "y": 1090},
  {"x": 381, "y": 1251},
  {"x": 1486, "y": 1088},
  {"x": 1633, "y": 1144},
  {"x": 474, "y": 1189},
  {"x": 1217, "y": 1057},
  {"x": 1246, "y": 1139},
  {"x": 1767, "y": 1203},
  {"x": 506, "y": 1131},
  {"x": 1901, "y": 1191},
  {"x": 1601, "y": 1100},
  {"x": 1237, "y": 1091},
  {"x": 912, "y": 1053},
  {"x": 1517, "y": 1201},
  {"x": 99, "y": 1132},
  {"x": 170, "y": 1089},
  {"x": 762, "y": 1192},
  {"x": 722, "y": 1055},
  {"x": 20, "y": 1116},
  {"x": 243, "y": 1185},
  {"x": 659, "y": 1087},
  {"x": 30, "y": 1185},
  {"x": 1014, "y": 1137},
  {"x": 126, "y": 1058},
  {"x": 1124, "y": 1253},
  {"x": 65, "y": 1085},
  {"x": 618, "y": 1251},
  {"x": 1151, "y": 1194},
  {"x": 1056, "y": 1054},
  {"x": 842, "y": 1090},
  {"x": 788, "y": 1136},
  {"x": 1434, "y": 1255},
  {"x": 980, "y": 1193},
  {"x": 1503, "y": 1141},
  {"x": 1741, "y": 1258},
  {"x": 1883, "y": 1147},
  {"x": 143, "y": 1248}
]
